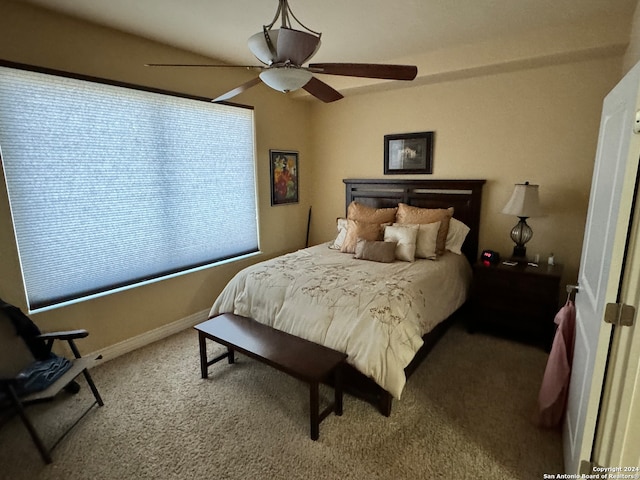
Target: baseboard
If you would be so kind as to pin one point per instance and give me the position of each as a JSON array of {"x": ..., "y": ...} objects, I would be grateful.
[{"x": 139, "y": 341}]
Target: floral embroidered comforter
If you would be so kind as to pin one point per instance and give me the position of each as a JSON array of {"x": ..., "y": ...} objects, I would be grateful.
[{"x": 375, "y": 312}]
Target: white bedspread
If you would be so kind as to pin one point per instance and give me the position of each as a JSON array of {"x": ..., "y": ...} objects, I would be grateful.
[{"x": 374, "y": 312}]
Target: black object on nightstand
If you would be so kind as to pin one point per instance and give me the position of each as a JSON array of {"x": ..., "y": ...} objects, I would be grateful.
[{"x": 519, "y": 301}]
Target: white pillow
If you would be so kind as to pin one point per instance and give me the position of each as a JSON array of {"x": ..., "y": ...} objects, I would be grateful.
[
  {"x": 405, "y": 236},
  {"x": 341, "y": 224},
  {"x": 455, "y": 237},
  {"x": 427, "y": 241}
]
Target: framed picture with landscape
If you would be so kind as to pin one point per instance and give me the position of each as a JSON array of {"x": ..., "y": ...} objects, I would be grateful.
[
  {"x": 408, "y": 153},
  {"x": 284, "y": 177}
]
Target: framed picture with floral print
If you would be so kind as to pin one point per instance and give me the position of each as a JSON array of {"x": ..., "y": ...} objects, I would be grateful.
[{"x": 284, "y": 177}]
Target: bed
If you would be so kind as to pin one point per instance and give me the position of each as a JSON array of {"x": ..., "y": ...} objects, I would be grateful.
[{"x": 385, "y": 314}]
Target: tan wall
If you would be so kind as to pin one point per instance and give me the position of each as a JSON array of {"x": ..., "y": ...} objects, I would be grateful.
[
  {"x": 507, "y": 116},
  {"x": 538, "y": 125},
  {"x": 632, "y": 55},
  {"x": 31, "y": 35}
]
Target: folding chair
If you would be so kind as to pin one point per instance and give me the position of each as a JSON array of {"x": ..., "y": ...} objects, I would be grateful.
[{"x": 24, "y": 349}]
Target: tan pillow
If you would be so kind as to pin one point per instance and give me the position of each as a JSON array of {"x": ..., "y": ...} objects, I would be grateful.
[
  {"x": 376, "y": 251},
  {"x": 427, "y": 240},
  {"x": 364, "y": 213},
  {"x": 363, "y": 230},
  {"x": 408, "y": 214}
]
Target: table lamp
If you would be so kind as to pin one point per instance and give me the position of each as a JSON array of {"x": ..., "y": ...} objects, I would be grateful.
[{"x": 524, "y": 203}]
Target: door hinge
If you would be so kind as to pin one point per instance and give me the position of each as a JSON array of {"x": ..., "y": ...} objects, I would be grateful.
[{"x": 620, "y": 314}]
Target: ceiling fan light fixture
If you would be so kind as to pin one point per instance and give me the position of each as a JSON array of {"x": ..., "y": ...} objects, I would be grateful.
[
  {"x": 284, "y": 50},
  {"x": 260, "y": 48},
  {"x": 286, "y": 79},
  {"x": 284, "y": 44}
]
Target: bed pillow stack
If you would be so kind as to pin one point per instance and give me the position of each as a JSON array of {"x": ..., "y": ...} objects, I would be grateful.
[
  {"x": 415, "y": 232},
  {"x": 357, "y": 229},
  {"x": 406, "y": 237},
  {"x": 422, "y": 216},
  {"x": 367, "y": 223},
  {"x": 421, "y": 240}
]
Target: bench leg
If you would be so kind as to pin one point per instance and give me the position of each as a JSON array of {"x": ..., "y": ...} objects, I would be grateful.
[
  {"x": 203, "y": 355},
  {"x": 205, "y": 362},
  {"x": 384, "y": 404},
  {"x": 314, "y": 407},
  {"x": 231, "y": 357},
  {"x": 337, "y": 389}
]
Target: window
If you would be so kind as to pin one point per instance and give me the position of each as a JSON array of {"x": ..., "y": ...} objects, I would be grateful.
[{"x": 110, "y": 185}]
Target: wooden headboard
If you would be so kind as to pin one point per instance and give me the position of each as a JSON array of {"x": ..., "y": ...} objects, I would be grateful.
[{"x": 465, "y": 196}]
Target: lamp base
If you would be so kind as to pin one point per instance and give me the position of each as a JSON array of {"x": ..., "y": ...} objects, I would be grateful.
[
  {"x": 519, "y": 253},
  {"x": 521, "y": 234}
]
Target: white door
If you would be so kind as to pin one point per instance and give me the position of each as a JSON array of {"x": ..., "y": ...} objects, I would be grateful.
[
  {"x": 603, "y": 252},
  {"x": 618, "y": 432}
]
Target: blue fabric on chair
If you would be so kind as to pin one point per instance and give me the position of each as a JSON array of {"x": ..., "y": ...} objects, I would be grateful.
[{"x": 40, "y": 374}]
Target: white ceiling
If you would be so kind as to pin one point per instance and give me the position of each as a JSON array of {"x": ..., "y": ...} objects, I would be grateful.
[{"x": 353, "y": 30}]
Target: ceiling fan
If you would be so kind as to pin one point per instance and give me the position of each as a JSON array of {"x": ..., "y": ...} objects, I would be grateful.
[{"x": 283, "y": 51}]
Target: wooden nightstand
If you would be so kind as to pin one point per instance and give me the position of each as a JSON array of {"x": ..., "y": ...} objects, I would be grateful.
[{"x": 518, "y": 301}]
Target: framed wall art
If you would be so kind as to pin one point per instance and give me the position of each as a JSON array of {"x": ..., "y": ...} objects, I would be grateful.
[
  {"x": 408, "y": 153},
  {"x": 284, "y": 177}
]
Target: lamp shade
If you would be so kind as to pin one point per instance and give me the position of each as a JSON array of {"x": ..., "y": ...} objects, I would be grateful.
[
  {"x": 286, "y": 79},
  {"x": 259, "y": 47},
  {"x": 287, "y": 45},
  {"x": 524, "y": 201}
]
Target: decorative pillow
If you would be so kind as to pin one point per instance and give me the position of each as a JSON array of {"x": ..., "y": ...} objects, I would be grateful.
[
  {"x": 408, "y": 214},
  {"x": 457, "y": 234},
  {"x": 363, "y": 230},
  {"x": 341, "y": 224},
  {"x": 364, "y": 213},
  {"x": 405, "y": 236},
  {"x": 376, "y": 251},
  {"x": 427, "y": 240}
]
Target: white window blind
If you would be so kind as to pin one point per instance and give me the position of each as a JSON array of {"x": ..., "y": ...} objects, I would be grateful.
[{"x": 112, "y": 186}]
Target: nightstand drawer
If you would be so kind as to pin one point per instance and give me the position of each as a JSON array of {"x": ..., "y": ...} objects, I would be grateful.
[
  {"x": 504, "y": 290},
  {"x": 525, "y": 285},
  {"x": 520, "y": 300}
]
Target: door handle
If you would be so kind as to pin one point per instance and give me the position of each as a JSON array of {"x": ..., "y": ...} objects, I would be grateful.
[{"x": 572, "y": 290}]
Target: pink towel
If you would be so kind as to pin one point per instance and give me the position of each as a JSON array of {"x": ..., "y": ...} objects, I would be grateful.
[{"x": 552, "y": 398}]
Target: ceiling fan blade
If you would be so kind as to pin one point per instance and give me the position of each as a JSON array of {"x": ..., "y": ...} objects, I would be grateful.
[
  {"x": 238, "y": 90},
  {"x": 296, "y": 46},
  {"x": 367, "y": 70},
  {"x": 201, "y": 65},
  {"x": 322, "y": 91}
]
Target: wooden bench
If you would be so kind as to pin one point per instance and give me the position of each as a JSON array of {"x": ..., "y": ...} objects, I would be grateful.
[{"x": 302, "y": 359}]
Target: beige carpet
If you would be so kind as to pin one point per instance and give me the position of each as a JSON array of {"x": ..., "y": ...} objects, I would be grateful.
[{"x": 465, "y": 414}]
